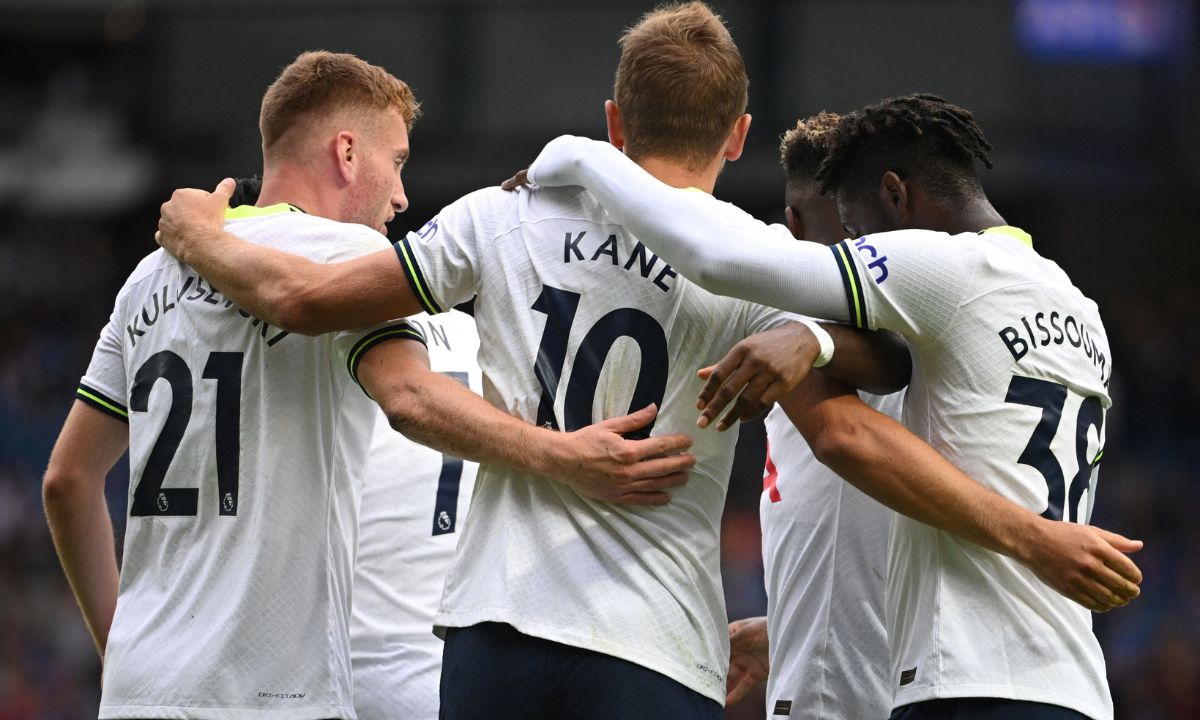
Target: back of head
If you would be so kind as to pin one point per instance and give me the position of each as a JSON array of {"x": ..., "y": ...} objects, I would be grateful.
[
  {"x": 809, "y": 214},
  {"x": 805, "y": 146},
  {"x": 680, "y": 85},
  {"x": 922, "y": 138},
  {"x": 319, "y": 85}
]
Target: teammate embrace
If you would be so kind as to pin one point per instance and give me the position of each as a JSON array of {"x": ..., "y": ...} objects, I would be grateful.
[{"x": 598, "y": 293}]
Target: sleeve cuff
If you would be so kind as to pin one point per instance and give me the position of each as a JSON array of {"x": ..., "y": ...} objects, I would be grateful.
[
  {"x": 408, "y": 262},
  {"x": 856, "y": 300},
  {"x": 101, "y": 402},
  {"x": 397, "y": 331}
]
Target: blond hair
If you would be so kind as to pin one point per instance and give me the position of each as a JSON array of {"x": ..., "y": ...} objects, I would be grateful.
[
  {"x": 680, "y": 85},
  {"x": 806, "y": 145},
  {"x": 320, "y": 83}
]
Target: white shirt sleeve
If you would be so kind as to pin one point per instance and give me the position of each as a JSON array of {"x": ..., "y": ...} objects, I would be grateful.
[
  {"x": 714, "y": 244},
  {"x": 442, "y": 259},
  {"x": 104, "y": 385},
  {"x": 351, "y": 346},
  {"x": 908, "y": 281}
]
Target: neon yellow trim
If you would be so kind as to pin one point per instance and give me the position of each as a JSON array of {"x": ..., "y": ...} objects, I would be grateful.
[
  {"x": 858, "y": 318},
  {"x": 102, "y": 401},
  {"x": 248, "y": 211},
  {"x": 1013, "y": 232},
  {"x": 353, "y": 361},
  {"x": 430, "y": 306},
  {"x": 1098, "y": 457}
]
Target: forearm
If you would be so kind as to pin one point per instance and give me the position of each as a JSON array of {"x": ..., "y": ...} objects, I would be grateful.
[
  {"x": 442, "y": 414},
  {"x": 713, "y": 244},
  {"x": 887, "y": 462},
  {"x": 269, "y": 284},
  {"x": 83, "y": 537},
  {"x": 877, "y": 362}
]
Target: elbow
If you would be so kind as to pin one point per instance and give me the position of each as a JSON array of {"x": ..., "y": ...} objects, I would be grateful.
[
  {"x": 297, "y": 310},
  {"x": 402, "y": 407},
  {"x": 58, "y": 484},
  {"x": 836, "y": 442}
]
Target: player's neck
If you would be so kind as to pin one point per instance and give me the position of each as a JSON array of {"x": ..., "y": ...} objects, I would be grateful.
[
  {"x": 675, "y": 174},
  {"x": 971, "y": 217},
  {"x": 291, "y": 185},
  {"x": 976, "y": 217}
]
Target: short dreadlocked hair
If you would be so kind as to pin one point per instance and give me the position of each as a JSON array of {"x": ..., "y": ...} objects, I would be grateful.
[
  {"x": 919, "y": 137},
  {"x": 805, "y": 145}
]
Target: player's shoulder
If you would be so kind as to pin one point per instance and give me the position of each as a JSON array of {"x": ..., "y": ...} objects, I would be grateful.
[
  {"x": 148, "y": 268},
  {"x": 572, "y": 203},
  {"x": 317, "y": 238}
]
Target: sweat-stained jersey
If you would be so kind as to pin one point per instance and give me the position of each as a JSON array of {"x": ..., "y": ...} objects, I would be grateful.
[
  {"x": 1011, "y": 367},
  {"x": 579, "y": 322},
  {"x": 824, "y": 556},
  {"x": 247, "y": 447},
  {"x": 414, "y": 504}
]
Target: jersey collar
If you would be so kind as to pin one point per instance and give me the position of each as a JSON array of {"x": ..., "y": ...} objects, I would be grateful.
[
  {"x": 248, "y": 211},
  {"x": 1014, "y": 232}
]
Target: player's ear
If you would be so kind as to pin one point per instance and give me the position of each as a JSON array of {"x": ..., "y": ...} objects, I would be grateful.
[
  {"x": 346, "y": 155},
  {"x": 795, "y": 224},
  {"x": 616, "y": 131},
  {"x": 737, "y": 137},
  {"x": 895, "y": 197}
]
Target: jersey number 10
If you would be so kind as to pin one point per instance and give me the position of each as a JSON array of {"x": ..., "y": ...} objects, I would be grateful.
[
  {"x": 560, "y": 307},
  {"x": 150, "y": 497}
]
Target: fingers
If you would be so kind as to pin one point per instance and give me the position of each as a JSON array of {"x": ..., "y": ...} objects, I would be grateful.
[
  {"x": 745, "y": 683},
  {"x": 659, "y": 445},
  {"x": 1120, "y": 542},
  {"x": 225, "y": 190},
  {"x": 632, "y": 421},
  {"x": 750, "y": 403},
  {"x": 1111, "y": 586},
  {"x": 516, "y": 181},
  {"x": 653, "y": 499},
  {"x": 1121, "y": 565},
  {"x": 723, "y": 390},
  {"x": 656, "y": 483}
]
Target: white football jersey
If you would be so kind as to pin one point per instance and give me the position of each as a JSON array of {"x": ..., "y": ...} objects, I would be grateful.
[
  {"x": 579, "y": 322},
  {"x": 414, "y": 503},
  {"x": 1010, "y": 383},
  {"x": 246, "y": 452},
  {"x": 824, "y": 558}
]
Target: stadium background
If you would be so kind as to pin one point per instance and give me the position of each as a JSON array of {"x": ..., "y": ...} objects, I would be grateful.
[{"x": 1091, "y": 105}]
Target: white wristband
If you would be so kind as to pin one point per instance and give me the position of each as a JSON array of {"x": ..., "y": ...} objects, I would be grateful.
[{"x": 824, "y": 340}]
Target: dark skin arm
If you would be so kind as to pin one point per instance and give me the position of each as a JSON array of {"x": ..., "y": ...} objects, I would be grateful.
[
  {"x": 759, "y": 370},
  {"x": 883, "y": 459}
]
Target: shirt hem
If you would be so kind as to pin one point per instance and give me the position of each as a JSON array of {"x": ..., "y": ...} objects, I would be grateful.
[
  {"x": 183, "y": 712},
  {"x": 908, "y": 696},
  {"x": 658, "y": 664}
]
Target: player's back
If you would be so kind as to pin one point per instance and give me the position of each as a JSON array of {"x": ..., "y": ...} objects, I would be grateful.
[
  {"x": 579, "y": 321},
  {"x": 414, "y": 504},
  {"x": 1010, "y": 383},
  {"x": 246, "y": 447},
  {"x": 825, "y": 547}
]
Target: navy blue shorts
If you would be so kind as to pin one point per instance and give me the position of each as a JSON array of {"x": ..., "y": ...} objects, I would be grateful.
[
  {"x": 492, "y": 671},
  {"x": 984, "y": 709}
]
